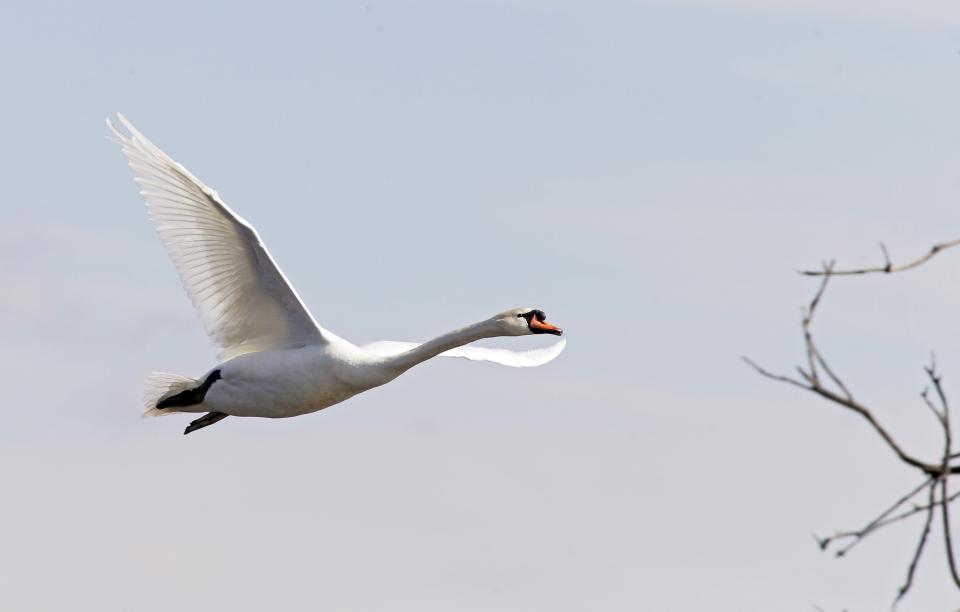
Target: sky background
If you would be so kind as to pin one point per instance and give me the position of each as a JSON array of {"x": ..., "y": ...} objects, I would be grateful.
[{"x": 651, "y": 174}]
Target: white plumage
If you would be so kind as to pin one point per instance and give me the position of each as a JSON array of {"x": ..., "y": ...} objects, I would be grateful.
[
  {"x": 244, "y": 301},
  {"x": 515, "y": 359},
  {"x": 275, "y": 360}
]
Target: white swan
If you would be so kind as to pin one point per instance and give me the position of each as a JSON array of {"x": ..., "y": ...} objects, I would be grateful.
[{"x": 275, "y": 360}]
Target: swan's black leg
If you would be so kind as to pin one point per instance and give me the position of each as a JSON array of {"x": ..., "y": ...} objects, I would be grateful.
[
  {"x": 190, "y": 397},
  {"x": 208, "y": 419}
]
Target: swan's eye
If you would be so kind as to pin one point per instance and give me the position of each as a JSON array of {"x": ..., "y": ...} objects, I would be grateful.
[{"x": 533, "y": 314}]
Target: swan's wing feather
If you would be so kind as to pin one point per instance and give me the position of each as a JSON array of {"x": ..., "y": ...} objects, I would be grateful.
[
  {"x": 507, "y": 357},
  {"x": 244, "y": 300}
]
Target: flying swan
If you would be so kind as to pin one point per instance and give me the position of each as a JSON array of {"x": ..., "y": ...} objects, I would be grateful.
[{"x": 275, "y": 361}]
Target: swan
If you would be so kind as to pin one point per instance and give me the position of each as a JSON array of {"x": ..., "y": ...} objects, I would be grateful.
[{"x": 275, "y": 361}]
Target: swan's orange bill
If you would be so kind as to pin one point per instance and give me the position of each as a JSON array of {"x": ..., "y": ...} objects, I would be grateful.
[{"x": 545, "y": 327}]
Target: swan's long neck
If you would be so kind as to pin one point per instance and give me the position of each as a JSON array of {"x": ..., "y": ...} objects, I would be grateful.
[{"x": 449, "y": 340}]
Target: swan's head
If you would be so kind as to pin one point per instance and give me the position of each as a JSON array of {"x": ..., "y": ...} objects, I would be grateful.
[{"x": 525, "y": 321}]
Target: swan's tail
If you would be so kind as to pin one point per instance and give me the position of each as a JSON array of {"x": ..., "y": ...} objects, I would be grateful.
[{"x": 160, "y": 386}]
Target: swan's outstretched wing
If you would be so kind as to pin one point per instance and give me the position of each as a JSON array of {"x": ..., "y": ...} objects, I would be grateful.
[
  {"x": 244, "y": 301},
  {"x": 507, "y": 357}
]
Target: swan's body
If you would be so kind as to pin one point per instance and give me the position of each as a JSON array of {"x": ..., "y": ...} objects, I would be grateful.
[
  {"x": 275, "y": 360},
  {"x": 290, "y": 382}
]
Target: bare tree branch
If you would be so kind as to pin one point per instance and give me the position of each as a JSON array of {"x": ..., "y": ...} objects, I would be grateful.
[
  {"x": 926, "y": 400},
  {"x": 945, "y": 474},
  {"x": 872, "y": 526},
  {"x": 916, "y": 509},
  {"x": 888, "y": 266},
  {"x": 832, "y": 389},
  {"x": 836, "y": 379},
  {"x": 921, "y": 543},
  {"x": 772, "y": 376},
  {"x": 810, "y": 310},
  {"x": 813, "y": 384}
]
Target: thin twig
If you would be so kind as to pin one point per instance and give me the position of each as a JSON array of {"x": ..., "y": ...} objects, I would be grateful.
[
  {"x": 926, "y": 400},
  {"x": 888, "y": 267},
  {"x": 873, "y": 525},
  {"x": 945, "y": 474},
  {"x": 921, "y": 543},
  {"x": 836, "y": 379},
  {"x": 772, "y": 376},
  {"x": 887, "y": 264},
  {"x": 814, "y": 356},
  {"x": 947, "y": 538},
  {"x": 905, "y": 514},
  {"x": 808, "y": 320}
]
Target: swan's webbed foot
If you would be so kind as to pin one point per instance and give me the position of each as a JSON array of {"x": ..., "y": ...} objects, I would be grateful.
[
  {"x": 190, "y": 397},
  {"x": 208, "y": 419}
]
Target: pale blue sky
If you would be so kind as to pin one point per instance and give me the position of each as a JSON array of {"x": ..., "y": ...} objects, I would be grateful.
[{"x": 649, "y": 173}]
